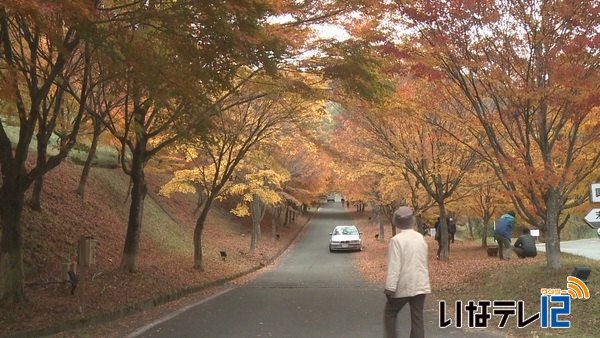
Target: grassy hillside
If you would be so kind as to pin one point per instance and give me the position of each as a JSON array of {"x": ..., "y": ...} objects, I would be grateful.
[{"x": 165, "y": 260}]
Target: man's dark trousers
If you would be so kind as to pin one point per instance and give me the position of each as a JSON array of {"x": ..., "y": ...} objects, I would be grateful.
[{"x": 394, "y": 305}]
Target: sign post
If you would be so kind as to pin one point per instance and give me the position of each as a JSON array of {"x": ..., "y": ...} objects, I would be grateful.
[
  {"x": 595, "y": 193},
  {"x": 593, "y": 217}
]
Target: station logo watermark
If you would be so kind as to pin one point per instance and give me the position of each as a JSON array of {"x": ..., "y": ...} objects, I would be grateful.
[{"x": 554, "y": 303}]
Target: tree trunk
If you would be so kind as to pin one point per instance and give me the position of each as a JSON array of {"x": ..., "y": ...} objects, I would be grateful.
[
  {"x": 551, "y": 232},
  {"x": 258, "y": 221},
  {"x": 35, "y": 203},
  {"x": 287, "y": 217},
  {"x": 273, "y": 224},
  {"x": 484, "y": 230},
  {"x": 42, "y": 150},
  {"x": 85, "y": 173},
  {"x": 136, "y": 210},
  {"x": 445, "y": 254},
  {"x": 253, "y": 239},
  {"x": 12, "y": 201},
  {"x": 257, "y": 211},
  {"x": 12, "y": 197},
  {"x": 198, "y": 258},
  {"x": 275, "y": 221},
  {"x": 470, "y": 225},
  {"x": 381, "y": 237},
  {"x": 15, "y": 180},
  {"x": 46, "y": 126},
  {"x": 118, "y": 156}
]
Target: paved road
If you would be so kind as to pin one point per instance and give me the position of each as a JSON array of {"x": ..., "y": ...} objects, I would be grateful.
[
  {"x": 310, "y": 293},
  {"x": 589, "y": 248}
]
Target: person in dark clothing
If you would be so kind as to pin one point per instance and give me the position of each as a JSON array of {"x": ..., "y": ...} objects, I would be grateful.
[
  {"x": 438, "y": 235},
  {"x": 502, "y": 233},
  {"x": 525, "y": 245},
  {"x": 451, "y": 228}
]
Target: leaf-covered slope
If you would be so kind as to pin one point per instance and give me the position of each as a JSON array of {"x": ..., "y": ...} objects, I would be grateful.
[{"x": 165, "y": 264}]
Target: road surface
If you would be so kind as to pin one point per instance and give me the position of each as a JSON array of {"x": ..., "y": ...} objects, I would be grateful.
[
  {"x": 310, "y": 293},
  {"x": 589, "y": 248}
]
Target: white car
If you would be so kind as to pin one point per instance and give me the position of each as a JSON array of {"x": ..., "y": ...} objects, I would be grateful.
[{"x": 345, "y": 237}]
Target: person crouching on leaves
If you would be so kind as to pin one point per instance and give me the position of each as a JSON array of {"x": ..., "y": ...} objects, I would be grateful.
[{"x": 525, "y": 245}]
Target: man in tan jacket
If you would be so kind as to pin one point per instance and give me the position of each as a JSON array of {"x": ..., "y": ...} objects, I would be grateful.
[{"x": 407, "y": 279}]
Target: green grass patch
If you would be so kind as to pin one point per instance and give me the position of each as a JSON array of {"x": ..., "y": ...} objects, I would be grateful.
[
  {"x": 106, "y": 155},
  {"x": 165, "y": 231},
  {"x": 524, "y": 282},
  {"x": 157, "y": 224}
]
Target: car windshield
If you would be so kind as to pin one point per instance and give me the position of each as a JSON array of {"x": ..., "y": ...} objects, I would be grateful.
[{"x": 346, "y": 231}]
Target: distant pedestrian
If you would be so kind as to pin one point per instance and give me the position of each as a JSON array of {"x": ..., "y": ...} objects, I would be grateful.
[
  {"x": 502, "y": 233},
  {"x": 425, "y": 229},
  {"x": 525, "y": 245},
  {"x": 407, "y": 279},
  {"x": 451, "y": 228}
]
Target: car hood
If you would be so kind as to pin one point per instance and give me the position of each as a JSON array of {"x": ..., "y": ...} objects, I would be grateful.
[{"x": 345, "y": 237}]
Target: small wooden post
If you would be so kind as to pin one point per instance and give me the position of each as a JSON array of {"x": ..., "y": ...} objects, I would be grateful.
[{"x": 86, "y": 257}]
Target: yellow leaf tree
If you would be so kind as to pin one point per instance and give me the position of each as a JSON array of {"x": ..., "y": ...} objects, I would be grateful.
[
  {"x": 258, "y": 112},
  {"x": 259, "y": 183}
]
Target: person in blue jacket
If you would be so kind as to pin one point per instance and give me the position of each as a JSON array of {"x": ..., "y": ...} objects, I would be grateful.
[{"x": 502, "y": 233}]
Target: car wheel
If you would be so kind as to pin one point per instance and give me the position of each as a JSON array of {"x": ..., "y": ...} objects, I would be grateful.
[{"x": 330, "y": 249}]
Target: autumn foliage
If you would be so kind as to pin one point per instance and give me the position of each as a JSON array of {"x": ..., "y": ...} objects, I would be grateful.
[
  {"x": 164, "y": 267},
  {"x": 452, "y": 107}
]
